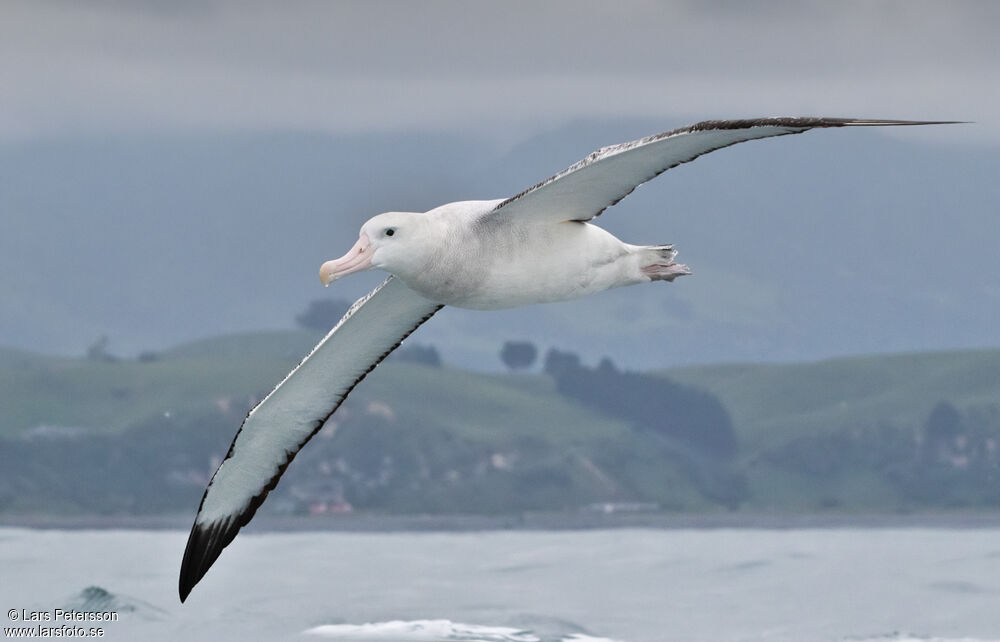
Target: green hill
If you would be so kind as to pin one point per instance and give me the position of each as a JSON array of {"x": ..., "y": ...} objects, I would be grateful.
[
  {"x": 454, "y": 440},
  {"x": 769, "y": 403},
  {"x": 103, "y": 435},
  {"x": 109, "y": 396},
  {"x": 774, "y": 403}
]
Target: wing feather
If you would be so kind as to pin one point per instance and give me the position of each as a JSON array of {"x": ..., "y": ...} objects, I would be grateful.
[
  {"x": 587, "y": 188},
  {"x": 280, "y": 425}
]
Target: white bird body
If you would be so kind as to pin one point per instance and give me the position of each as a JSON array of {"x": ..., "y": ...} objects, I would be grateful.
[
  {"x": 495, "y": 265},
  {"x": 535, "y": 247}
]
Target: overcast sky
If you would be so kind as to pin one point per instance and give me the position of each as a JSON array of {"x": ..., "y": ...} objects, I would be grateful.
[
  {"x": 72, "y": 68},
  {"x": 102, "y": 107}
]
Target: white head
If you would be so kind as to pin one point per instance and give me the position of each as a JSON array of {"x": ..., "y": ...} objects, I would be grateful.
[{"x": 397, "y": 242}]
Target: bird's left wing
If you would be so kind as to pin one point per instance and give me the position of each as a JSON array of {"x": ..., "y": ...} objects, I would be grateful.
[
  {"x": 278, "y": 427},
  {"x": 587, "y": 188}
]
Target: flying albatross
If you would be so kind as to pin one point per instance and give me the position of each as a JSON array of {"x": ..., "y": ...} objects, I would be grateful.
[{"x": 535, "y": 247}]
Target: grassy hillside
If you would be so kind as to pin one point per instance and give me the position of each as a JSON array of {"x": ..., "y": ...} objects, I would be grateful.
[
  {"x": 110, "y": 396},
  {"x": 769, "y": 403},
  {"x": 772, "y": 403},
  {"x": 411, "y": 436},
  {"x": 838, "y": 434}
]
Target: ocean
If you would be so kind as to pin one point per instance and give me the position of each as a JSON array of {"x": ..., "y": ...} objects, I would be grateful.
[{"x": 626, "y": 585}]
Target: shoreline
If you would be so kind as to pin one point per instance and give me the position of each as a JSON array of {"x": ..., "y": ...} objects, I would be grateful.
[{"x": 377, "y": 523}]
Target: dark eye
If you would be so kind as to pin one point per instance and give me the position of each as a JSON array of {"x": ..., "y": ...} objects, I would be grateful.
[{"x": 390, "y": 231}]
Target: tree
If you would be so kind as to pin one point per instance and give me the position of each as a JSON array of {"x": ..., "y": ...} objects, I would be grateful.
[
  {"x": 559, "y": 363},
  {"x": 606, "y": 367},
  {"x": 942, "y": 430},
  {"x": 322, "y": 314},
  {"x": 518, "y": 355},
  {"x": 944, "y": 422},
  {"x": 98, "y": 350},
  {"x": 689, "y": 415}
]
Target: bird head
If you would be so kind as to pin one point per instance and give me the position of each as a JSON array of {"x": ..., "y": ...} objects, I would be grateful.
[{"x": 395, "y": 242}]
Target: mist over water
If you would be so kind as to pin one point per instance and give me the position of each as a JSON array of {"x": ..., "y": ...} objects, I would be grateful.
[{"x": 580, "y": 586}]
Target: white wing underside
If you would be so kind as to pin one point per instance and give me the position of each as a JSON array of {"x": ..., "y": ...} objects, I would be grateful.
[
  {"x": 293, "y": 412},
  {"x": 587, "y": 188}
]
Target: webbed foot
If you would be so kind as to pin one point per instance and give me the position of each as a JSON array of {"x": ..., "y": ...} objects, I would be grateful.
[{"x": 665, "y": 271}]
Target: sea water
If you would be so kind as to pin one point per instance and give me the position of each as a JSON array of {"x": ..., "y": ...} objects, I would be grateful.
[{"x": 515, "y": 586}]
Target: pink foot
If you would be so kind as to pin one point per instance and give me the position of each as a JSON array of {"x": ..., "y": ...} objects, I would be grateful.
[{"x": 665, "y": 271}]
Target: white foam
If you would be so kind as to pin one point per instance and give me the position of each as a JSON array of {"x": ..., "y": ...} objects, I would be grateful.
[
  {"x": 422, "y": 631},
  {"x": 437, "y": 631},
  {"x": 904, "y": 637}
]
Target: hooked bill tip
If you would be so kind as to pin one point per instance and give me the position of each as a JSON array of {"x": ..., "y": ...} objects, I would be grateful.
[
  {"x": 328, "y": 273},
  {"x": 357, "y": 258}
]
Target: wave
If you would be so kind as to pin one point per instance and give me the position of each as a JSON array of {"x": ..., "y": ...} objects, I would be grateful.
[
  {"x": 906, "y": 637},
  {"x": 98, "y": 599},
  {"x": 448, "y": 631},
  {"x": 438, "y": 631}
]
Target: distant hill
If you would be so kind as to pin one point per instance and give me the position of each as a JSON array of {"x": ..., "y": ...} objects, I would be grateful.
[
  {"x": 105, "y": 435},
  {"x": 104, "y": 396},
  {"x": 97, "y": 435},
  {"x": 774, "y": 403}
]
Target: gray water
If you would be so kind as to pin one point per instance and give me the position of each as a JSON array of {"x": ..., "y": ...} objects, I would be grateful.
[{"x": 579, "y": 586}]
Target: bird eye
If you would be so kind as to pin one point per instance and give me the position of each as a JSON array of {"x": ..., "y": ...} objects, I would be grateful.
[{"x": 390, "y": 231}]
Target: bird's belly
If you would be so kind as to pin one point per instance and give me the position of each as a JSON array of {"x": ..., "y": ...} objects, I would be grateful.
[
  {"x": 536, "y": 265},
  {"x": 502, "y": 288}
]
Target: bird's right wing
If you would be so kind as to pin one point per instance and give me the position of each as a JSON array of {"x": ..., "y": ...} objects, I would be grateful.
[
  {"x": 280, "y": 425},
  {"x": 587, "y": 188}
]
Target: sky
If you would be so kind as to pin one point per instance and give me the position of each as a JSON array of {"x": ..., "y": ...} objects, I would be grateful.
[
  {"x": 498, "y": 68},
  {"x": 175, "y": 170}
]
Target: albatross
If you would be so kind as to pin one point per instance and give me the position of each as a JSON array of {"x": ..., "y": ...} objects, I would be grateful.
[{"x": 535, "y": 247}]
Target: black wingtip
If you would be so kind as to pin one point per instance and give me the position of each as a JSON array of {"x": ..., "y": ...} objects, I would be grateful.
[
  {"x": 205, "y": 544},
  {"x": 880, "y": 123},
  {"x": 807, "y": 122}
]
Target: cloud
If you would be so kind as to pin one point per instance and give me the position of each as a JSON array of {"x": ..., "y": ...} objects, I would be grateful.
[{"x": 113, "y": 67}]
